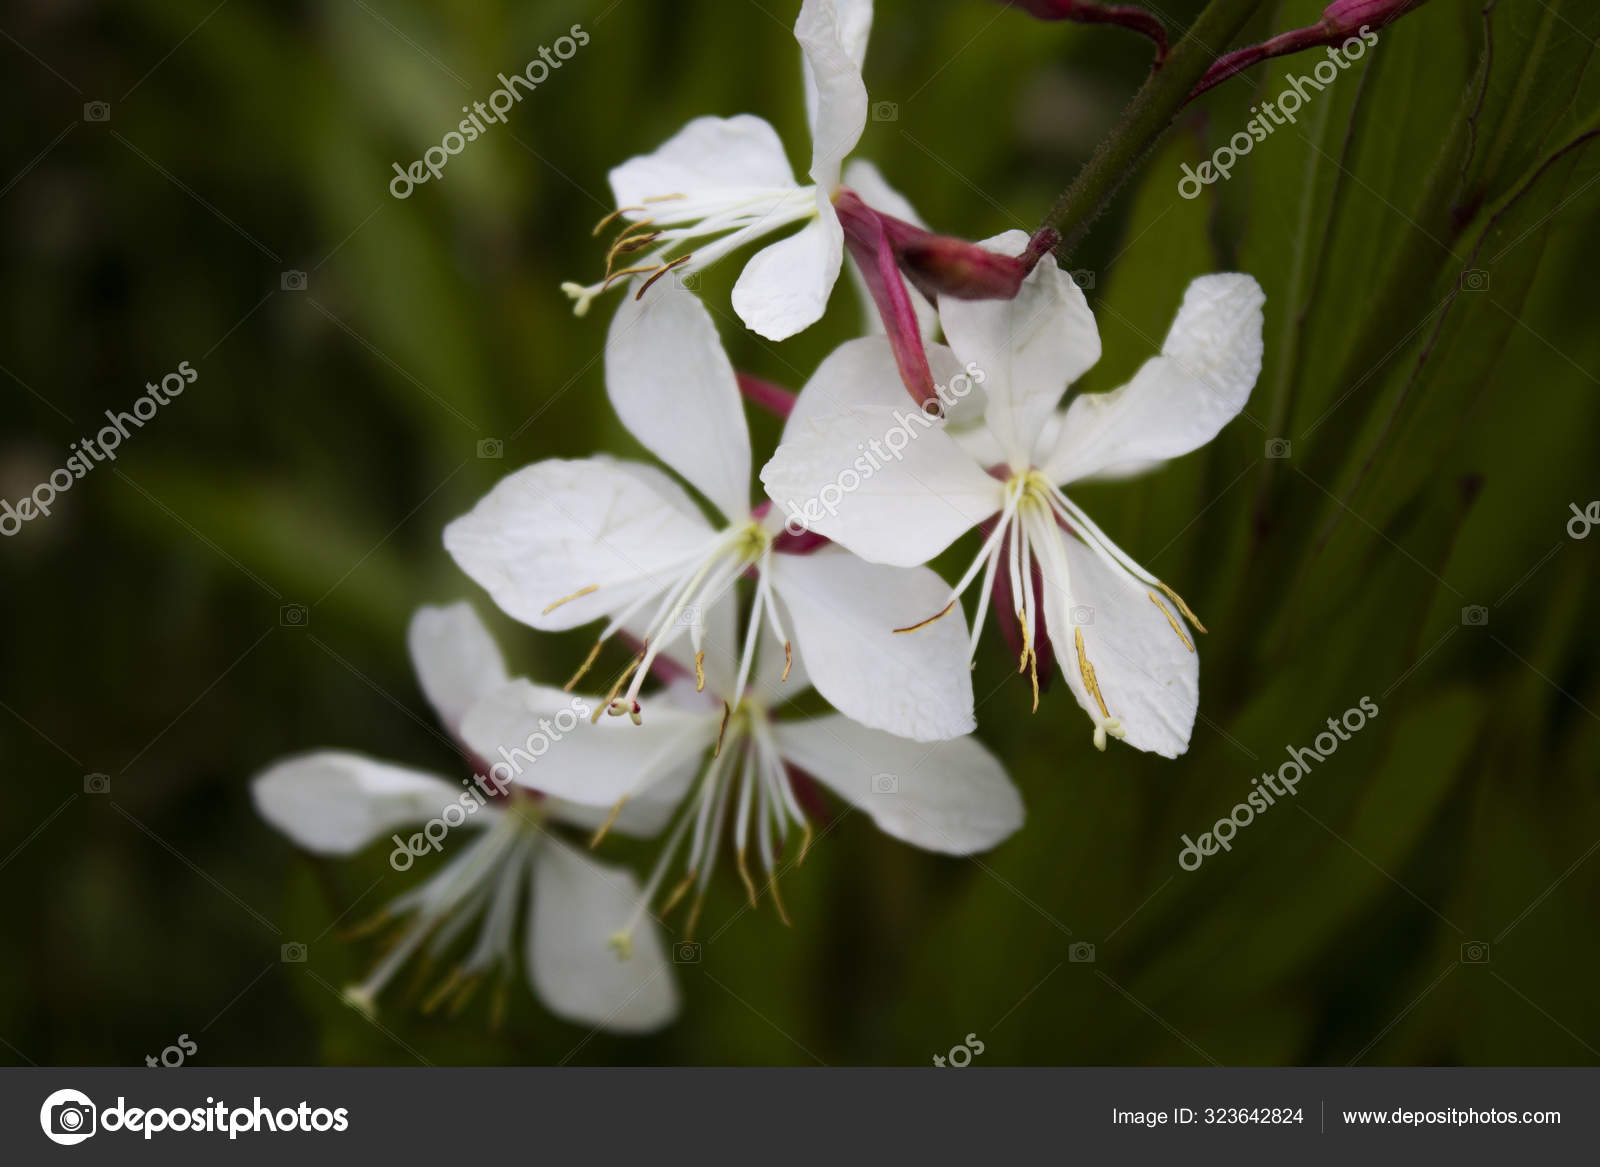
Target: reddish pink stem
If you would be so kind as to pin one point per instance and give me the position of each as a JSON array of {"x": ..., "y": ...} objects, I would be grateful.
[
  {"x": 1340, "y": 21},
  {"x": 1082, "y": 12}
]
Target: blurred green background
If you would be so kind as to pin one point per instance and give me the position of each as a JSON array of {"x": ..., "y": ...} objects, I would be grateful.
[{"x": 1439, "y": 426}]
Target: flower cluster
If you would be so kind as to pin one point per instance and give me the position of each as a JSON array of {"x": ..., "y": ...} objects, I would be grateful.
[{"x": 730, "y": 608}]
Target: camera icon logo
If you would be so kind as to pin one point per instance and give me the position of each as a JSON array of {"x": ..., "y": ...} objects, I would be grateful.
[
  {"x": 885, "y": 784},
  {"x": 293, "y": 953},
  {"x": 1475, "y": 952},
  {"x": 97, "y": 783},
  {"x": 293, "y": 280},
  {"x": 1475, "y": 615},
  {"x": 491, "y": 449},
  {"x": 1081, "y": 953},
  {"x": 1474, "y": 280},
  {"x": 1084, "y": 278},
  {"x": 686, "y": 952},
  {"x": 67, "y": 1117},
  {"x": 1278, "y": 448},
  {"x": 97, "y": 111},
  {"x": 1081, "y": 614},
  {"x": 294, "y": 615},
  {"x": 689, "y": 281},
  {"x": 885, "y": 111}
]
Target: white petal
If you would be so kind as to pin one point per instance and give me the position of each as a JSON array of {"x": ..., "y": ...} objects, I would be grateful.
[
  {"x": 785, "y": 286},
  {"x": 672, "y": 385},
  {"x": 836, "y": 97},
  {"x": 641, "y": 817},
  {"x": 335, "y": 803},
  {"x": 577, "y": 904},
  {"x": 557, "y": 527},
  {"x": 1150, "y": 680},
  {"x": 952, "y": 797},
  {"x": 591, "y": 764},
  {"x": 889, "y": 484},
  {"x": 455, "y": 658},
  {"x": 1179, "y": 400},
  {"x": 863, "y": 372},
  {"x": 843, "y": 613},
  {"x": 707, "y": 156},
  {"x": 1029, "y": 348}
]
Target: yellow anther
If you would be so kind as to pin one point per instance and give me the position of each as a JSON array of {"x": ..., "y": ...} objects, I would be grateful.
[
  {"x": 677, "y": 893},
  {"x": 721, "y": 729},
  {"x": 622, "y": 944},
  {"x": 924, "y": 623},
  {"x": 1086, "y": 671},
  {"x": 1172, "y": 620},
  {"x": 744, "y": 874},
  {"x": 612, "y": 218},
  {"x": 588, "y": 663},
  {"x": 1182, "y": 607},
  {"x": 699, "y": 672},
  {"x": 594, "y": 840},
  {"x": 788, "y": 660},
  {"x": 777, "y": 901},
  {"x": 577, "y": 595}
]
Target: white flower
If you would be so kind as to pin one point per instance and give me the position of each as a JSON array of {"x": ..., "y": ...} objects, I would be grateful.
[
  {"x": 506, "y": 864},
  {"x": 724, "y": 182},
  {"x": 951, "y": 796},
  {"x": 562, "y": 543},
  {"x": 1117, "y": 631}
]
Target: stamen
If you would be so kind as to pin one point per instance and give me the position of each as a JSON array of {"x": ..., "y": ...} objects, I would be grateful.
[
  {"x": 612, "y": 218},
  {"x": 605, "y": 827},
  {"x": 744, "y": 874},
  {"x": 1086, "y": 671},
  {"x": 677, "y": 893},
  {"x": 577, "y": 595},
  {"x": 944, "y": 611},
  {"x": 694, "y": 915},
  {"x": 665, "y": 268},
  {"x": 699, "y": 672},
  {"x": 716, "y": 751},
  {"x": 448, "y": 986},
  {"x": 588, "y": 663},
  {"x": 777, "y": 900},
  {"x": 1172, "y": 620},
  {"x": 611, "y": 697},
  {"x": 1182, "y": 607},
  {"x": 788, "y": 660}
]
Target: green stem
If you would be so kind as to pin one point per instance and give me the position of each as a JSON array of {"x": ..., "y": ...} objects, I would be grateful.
[{"x": 1147, "y": 118}]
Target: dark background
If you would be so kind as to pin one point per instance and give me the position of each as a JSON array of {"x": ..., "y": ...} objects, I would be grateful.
[{"x": 1439, "y": 428}]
